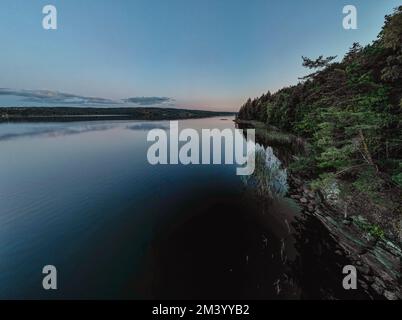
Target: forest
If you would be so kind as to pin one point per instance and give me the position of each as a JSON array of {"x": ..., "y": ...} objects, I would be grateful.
[{"x": 349, "y": 112}]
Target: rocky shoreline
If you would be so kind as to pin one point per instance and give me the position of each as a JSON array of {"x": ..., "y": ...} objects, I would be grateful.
[{"x": 377, "y": 260}]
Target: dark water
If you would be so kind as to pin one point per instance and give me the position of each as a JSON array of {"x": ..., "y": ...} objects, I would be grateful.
[{"x": 81, "y": 196}]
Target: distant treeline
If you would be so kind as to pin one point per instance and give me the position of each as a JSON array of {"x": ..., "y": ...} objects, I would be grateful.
[{"x": 78, "y": 113}]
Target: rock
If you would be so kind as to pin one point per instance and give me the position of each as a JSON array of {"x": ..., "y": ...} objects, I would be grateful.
[
  {"x": 360, "y": 219},
  {"x": 303, "y": 200},
  {"x": 311, "y": 195},
  {"x": 379, "y": 282},
  {"x": 384, "y": 275},
  {"x": 392, "y": 248},
  {"x": 390, "y": 295},
  {"x": 368, "y": 278},
  {"x": 377, "y": 288},
  {"x": 310, "y": 208},
  {"x": 346, "y": 222},
  {"x": 338, "y": 252},
  {"x": 318, "y": 212},
  {"x": 365, "y": 269},
  {"x": 363, "y": 285},
  {"x": 372, "y": 241},
  {"x": 295, "y": 196},
  {"x": 362, "y": 250}
]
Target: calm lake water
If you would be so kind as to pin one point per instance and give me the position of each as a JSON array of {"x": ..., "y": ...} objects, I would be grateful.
[{"x": 82, "y": 196}]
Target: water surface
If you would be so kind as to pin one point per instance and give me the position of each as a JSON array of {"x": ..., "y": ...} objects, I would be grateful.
[{"x": 82, "y": 196}]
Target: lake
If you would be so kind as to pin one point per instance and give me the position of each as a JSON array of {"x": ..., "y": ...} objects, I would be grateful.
[{"x": 82, "y": 196}]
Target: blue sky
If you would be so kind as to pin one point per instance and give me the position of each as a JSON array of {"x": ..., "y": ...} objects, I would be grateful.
[{"x": 207, "y": 54}]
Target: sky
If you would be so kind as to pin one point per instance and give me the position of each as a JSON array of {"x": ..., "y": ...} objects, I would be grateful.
[{"x": 198, "y": 54}]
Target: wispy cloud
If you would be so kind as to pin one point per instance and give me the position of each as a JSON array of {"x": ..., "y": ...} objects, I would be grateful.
[
  {"x": 55, "y": 97},
  {"x": 61, "y": 98}
]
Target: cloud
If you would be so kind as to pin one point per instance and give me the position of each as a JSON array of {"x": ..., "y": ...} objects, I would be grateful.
[
  {"x": 146, "y": 101},
  {"x": 52, "y": 97},
  {"x": 61, "y": 98}
]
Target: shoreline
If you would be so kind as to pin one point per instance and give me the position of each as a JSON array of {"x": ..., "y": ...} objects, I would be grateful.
[
  {"x": 377, "y": 259},
  {"x": 67, "y": 114}
]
